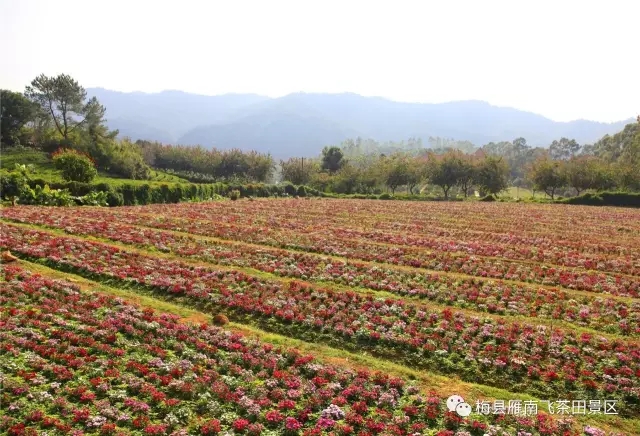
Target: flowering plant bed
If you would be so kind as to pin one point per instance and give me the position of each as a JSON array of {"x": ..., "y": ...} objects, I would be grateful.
[
  {"x": 516, "y": 356},
  {"x": 75, "y": 363}
]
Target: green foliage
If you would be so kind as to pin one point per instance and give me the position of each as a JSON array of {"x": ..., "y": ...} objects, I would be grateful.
[
  {"x": 13, "y": 186},
  {"x": 121, "y": 158},
  {"x": 15, "y": 112},
  {"x": 220, "y": 165},
  {"x": 606, "y": 198},
  {"x": 289, "y": 189},
  {"x": 385, "y": 196},
  {"x": 94, "y": 198},
  {"x": 301, "y": 191},
  {"x": 359, "y": 148},
  {"x": 19, "y": 188},
  {"x": 627, "y": 176},
  {"x": 63, "y": 99},
  {"x": 345, "y": 180},
  {"x": 547, "y": 175},
  {"x": 332, "y": 159},
  {"x": 75, "y": 166},
  {"x": 563, "y": 149},
  {"x": 622, "y": 148},
  {"x": 588, "y": 172},
  {"x": 468, "y": 174},
  {"x": 234, "y": 194},
  {"x": 321, "y": 181},
  {"x": 445, "y": 170},
  {"x": 298, "y": 170},
  {"x": 45, "y": 196},
  {"x": 492, "y": 175},
  {"x": 400, "y": 170}
]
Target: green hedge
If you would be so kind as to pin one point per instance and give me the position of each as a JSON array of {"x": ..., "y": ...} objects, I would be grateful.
[
  {"x": 622, "y": 199},
  {"x": 140, "y": 194}
]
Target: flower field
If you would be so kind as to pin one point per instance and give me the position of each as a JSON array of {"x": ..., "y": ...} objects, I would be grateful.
[
  {"x": 102, "y": 365},
  {"x": 542, "y": 300}
]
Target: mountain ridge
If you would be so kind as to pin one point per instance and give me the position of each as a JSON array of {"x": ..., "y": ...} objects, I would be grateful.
[{"x": 301, "y": 123}]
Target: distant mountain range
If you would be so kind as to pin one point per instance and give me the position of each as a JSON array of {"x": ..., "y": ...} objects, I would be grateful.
[{"x": 301, "y": 124}]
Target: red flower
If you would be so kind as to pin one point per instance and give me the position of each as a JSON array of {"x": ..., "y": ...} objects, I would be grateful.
[
  {"x": 292, "y": 424},
  {"x": 240, "y": 424},
  {"x": 274, "y": 416}
]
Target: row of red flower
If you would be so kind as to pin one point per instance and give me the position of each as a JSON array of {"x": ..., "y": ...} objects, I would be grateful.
[
  {"x": 76, "y": 363},
  {"x": 511, "y": 355},
  {"x": 359, "y": 241},
  {"x": 443, "y": 238},
  {"x": 495, "y": 297},
  {"x": 320, "y": 242},
  {"x": 582, "y": 229}
]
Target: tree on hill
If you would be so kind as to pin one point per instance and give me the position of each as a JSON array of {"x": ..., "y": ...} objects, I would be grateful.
[
  {"x": 332, "y": 159},
  {"x": 563, "y": 149},
  {"x": 63, "y": 99},
  {"x": 15, "y": 112},
  {"x": 468, "y": 174},
  {"x": 445, "y": 170},
  {"x": 297, "y": 170},
  {"x": 492, "y": 175},
  {"x": 547, "y": 176},
  {"x": 397, "y": 174},
  {"x": 623, "y": 147},
  {"x": 588, "y": 172}
]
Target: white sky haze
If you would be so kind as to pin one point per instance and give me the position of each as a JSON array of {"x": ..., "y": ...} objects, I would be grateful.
[{"x": 562, "y": 59}]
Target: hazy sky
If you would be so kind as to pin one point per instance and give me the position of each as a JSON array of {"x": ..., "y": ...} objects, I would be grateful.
[{"x": 563, "y": 59}]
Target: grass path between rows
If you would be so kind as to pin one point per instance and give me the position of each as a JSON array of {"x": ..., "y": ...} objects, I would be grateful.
[
  {"x": 443, "y": 386},
  {"x": 427, "y": 304}
]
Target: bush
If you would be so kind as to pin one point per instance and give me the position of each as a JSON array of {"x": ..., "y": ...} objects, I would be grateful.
[
  {"x": 74, "y": 165},
  {"x": 289, "y": 189},
  {"x": 301, "y": 191},
  {"x": 45, "y": 196},
  {"x": 626, "y": 199},
  {"x": 120, "y": 157},
  {"x": 97, "y": 198},
  {"x": 75, "y": 188},
  {"x": 234, "y": 194},
  {"x": 13, "y": 186},
  {"x": 621, "y": 199},
  {"x": 128, "y": 192},
  {"x": 385, "y": 196},
  {"x": 114, "y": 199}
]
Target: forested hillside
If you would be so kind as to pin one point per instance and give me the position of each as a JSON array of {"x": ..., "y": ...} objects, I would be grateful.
[{"x": 302, "y": 124}]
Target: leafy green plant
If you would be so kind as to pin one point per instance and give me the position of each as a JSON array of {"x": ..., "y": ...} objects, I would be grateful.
[
  {"x": 45, "y": 196},
  {"x": 74, "y": 165},
  {"x": 16, "y": 184},
  {"x": 96, "y": 198},
  {"x": 234, "y": 194}
]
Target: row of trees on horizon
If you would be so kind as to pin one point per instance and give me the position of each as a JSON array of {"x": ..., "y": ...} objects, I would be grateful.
[{"x": 55, "y": 112}]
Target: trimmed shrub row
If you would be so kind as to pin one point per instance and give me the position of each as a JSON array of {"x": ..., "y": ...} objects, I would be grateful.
[
  {"x": 140, "y": 194},
  {"x": 622, "y": 199}
]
